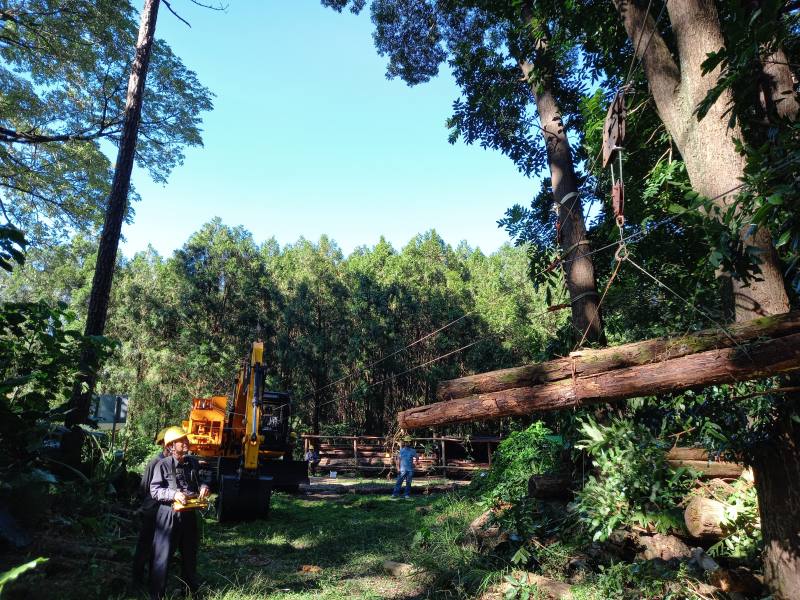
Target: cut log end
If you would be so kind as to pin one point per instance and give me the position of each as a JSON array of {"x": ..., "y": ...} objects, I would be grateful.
[{"x": 704, "y": 518}]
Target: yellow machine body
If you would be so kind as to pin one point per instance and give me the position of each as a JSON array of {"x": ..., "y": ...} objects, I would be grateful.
[{"x": 229, "y": 435}]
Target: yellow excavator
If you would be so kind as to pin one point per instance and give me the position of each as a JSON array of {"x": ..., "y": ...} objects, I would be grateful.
[{"x": 246, "y": 443}]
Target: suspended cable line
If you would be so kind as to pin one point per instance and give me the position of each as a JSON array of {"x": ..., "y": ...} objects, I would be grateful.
[{"x": 358, "y": 370}]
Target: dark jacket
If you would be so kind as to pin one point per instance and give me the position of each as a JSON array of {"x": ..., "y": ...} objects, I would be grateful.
[
  {"x": 144, "y": 486},
  {"x": 170, "y": 476}
]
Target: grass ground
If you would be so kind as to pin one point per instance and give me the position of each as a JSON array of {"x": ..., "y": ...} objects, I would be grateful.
[
  {"x": 331, "y": 546},
  {"x": 321, "y": 549},
  {"x": 327, "y": 544}
]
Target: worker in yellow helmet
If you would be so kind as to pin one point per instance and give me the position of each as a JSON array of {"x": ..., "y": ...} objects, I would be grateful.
[
  {"x": 176, "y": 479},
  {"x": 147, "y": 513}
]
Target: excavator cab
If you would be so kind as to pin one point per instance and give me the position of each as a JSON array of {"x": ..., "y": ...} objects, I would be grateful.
[{"x": 276, "y": 409}]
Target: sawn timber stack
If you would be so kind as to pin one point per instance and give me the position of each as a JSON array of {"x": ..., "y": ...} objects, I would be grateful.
[{"x": 749, "y": 350}]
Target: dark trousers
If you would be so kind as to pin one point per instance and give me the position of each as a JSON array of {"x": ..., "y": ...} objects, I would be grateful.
[
  {"x": 173, "y": 530},
  {"x": 144, "y": 545}
]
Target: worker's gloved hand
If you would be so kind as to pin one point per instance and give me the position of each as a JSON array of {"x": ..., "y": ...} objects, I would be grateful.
[
  {"x": 180, "y": 497},
  {"x": 204, "y": 492}
]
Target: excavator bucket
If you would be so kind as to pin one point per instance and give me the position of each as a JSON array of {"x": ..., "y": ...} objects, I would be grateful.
[
  {"x": 287, "y": 475},
  {"x": 243, "y": 498}
]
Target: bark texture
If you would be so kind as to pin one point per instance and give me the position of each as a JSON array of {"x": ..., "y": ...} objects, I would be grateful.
[
  {"x": 578, "y": 266},
  {"x": 754, "y": 361},
  {"x": 707, "y": 147},
  {"x": 777, "y": 477},
  {"x": 714, "y": 169},
  {"x": 587, "y": 362},
  {"x": 726, "y": 470},
  {"x": 115, "y": 211}
]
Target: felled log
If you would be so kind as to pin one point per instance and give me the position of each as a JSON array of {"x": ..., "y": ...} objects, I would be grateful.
[
  {"x": 687, "y": 453},
  {"x": 723, "y": 470},
  {"x": 756, "y": 360},
  {"x": 588, "y": 362},
  {"x": 550, "y": 486},
  {"x": 698, "y": 460},
  {"x": 704, "y": 517}
]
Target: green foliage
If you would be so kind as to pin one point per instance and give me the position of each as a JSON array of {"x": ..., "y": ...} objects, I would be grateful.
[
  {"x": 40, "y": 357},
  {"x": 632, "y": 483},
  {"x": 444, "y": 547},
  {"x": 66, "y": 65},
  {"x": 637, "y": 581},
  {"x": 12, "y": 247},
  {"x": 742, "y": 525},
  {"x": 184, "y": 322},
  {"x": 12, "y": 574},
  {"x": 532, "y": 451},
  {"x": 520, "y": 588}
]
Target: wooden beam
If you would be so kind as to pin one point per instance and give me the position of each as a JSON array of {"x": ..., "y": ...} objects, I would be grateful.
[
  {"x": 754, "y": 361},
  {"x": 587, "y": 362}
]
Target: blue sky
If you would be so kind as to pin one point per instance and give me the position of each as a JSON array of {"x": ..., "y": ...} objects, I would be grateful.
[{"x": 308, "y": 137}]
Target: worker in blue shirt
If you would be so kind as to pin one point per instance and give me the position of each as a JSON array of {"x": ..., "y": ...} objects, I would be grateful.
[
  {"x": 405, "y": 467},
  {"x": 147, "y": 513},
  {"x": 175, "y": 480}
]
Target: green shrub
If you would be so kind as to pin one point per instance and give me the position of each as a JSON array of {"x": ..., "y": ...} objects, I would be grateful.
[
  {"x": 637, "y": 581},
  {"x": 532, "y": 451},
  {"x": 742, "y": 524},
  {"x": 633, "y": 483}
]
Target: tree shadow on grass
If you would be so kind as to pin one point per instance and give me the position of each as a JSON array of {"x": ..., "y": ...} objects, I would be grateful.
[{"x": 313, "y": 547}]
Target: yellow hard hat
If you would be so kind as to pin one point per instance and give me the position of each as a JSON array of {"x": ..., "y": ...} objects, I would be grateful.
[
  {"x": 160, "y": 436},
  {"x": 173, "y": 433}
]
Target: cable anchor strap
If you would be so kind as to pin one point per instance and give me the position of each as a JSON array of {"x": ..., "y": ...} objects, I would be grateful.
[
  {"x": 558, "y": 204},
  {"x": 584, "y": 295},
  {"x": 566, "y": 252},
  {"x": 617, "y": 190}
]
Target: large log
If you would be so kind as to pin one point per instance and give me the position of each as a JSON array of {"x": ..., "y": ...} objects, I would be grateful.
[
  {"x": 687, "y": 453},
  {"x": 697, "y": 459},
  {"x": 587, "y": 362},
  {"x": 724, "y": 470},
  {"x": 753, "y": 361}
]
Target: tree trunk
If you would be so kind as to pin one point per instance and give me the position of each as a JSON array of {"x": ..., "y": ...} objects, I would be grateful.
[
  {"x": 577, "y": 265},
  {"x": 588, "y": 362},
  {"x": 754, "y": 361},
  {"x": 115, "y": 214},
  {"x": 777, "y": 475},
  {"x": 779, "y": 96},
  {"x": 715, "y": 167}
]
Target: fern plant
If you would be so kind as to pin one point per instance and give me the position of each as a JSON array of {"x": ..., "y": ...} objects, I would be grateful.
[{"x": 633, "y": 483}]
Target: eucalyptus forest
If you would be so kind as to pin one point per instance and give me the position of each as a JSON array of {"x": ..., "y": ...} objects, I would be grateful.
[{"x": 618, "y": 379}]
